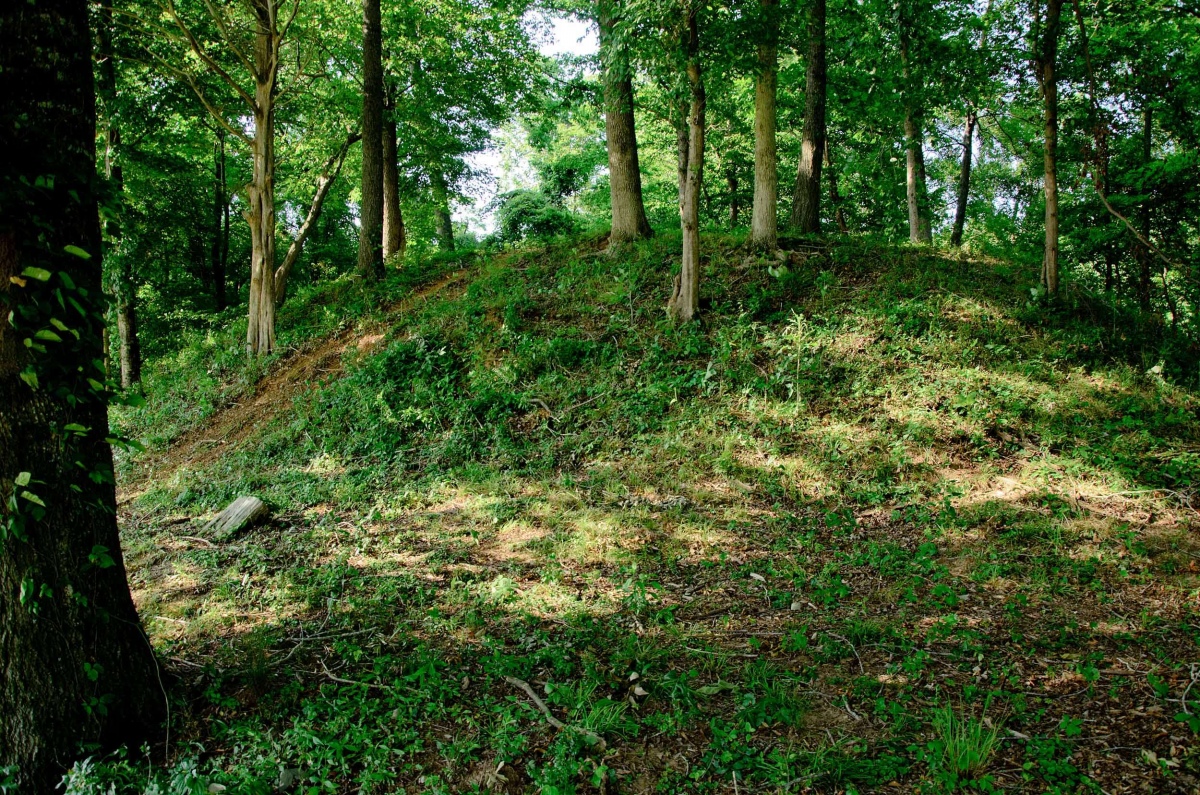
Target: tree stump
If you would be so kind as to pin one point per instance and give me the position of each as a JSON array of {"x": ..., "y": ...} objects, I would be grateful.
[{"x": 241, "y": 514}]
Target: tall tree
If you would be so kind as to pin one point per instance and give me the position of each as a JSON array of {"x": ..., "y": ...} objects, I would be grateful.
[
  {"x": 764, "y": 216},
  {"x": 219, "y": 258},
  {"x": 806, "y": 204},
  {"x": 395, "y": 237},
  {"x": 920, "y": 229},
  {"x": 248, "y": 36},
  {"x": 443, "y": 224},
  {"x": 685, "y": 298},
  {"x": 968, "y": 146},
  {"x": 125, "y": 287},
  {"x": 1046, "y": 69},
  {"x": 77, "y": 666},
  {"x": 370, "y": 241},
  {"x": 625, "y": 175}
]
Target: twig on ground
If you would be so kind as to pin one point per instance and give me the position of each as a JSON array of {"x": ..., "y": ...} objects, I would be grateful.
[{"x": 593, "y": 738}]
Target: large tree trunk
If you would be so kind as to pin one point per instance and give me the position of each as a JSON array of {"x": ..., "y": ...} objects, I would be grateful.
[
  {"x": 442, "y": 222},
  {"x": 624, "y": 172},
  {"x": 764, "y": 217},
  {"x": 261, "y": 214},
  {"x": 1046, "y": 64},
  {"x": 806, "y": 203},
  {"x": 964, "y": 179},
  {"x": 395, "y": 240},
  {"x": 220, "y": 242},
  {"x": 329, "y": 173},
  {"x": 920, "y": 230},
  {"x": 685, "y": 299},
  {"x": 370, "y": 235},
  {"x": 77, "y": 666}
]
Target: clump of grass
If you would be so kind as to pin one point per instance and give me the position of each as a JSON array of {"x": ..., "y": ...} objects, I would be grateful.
[{"x": 962, "y": 748}]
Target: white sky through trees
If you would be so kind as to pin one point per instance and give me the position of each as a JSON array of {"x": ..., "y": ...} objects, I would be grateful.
[{"x": 505, "y": 167}]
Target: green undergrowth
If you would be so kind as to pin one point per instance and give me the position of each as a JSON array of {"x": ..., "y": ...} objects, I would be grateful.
[{"x": 882, "y": 520}]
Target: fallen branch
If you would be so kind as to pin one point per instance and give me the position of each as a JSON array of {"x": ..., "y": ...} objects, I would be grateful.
[{"x": 592, "y": 738}]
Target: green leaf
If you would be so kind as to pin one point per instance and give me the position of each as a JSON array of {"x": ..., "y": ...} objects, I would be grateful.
[
  {"x": 49, "y": 336},
  {"x": 35, "y": 499},
  {"x": 75, "y": 427},
  {"x": 23, "y": 478},
  {"x": 77, "y": 251},
  {"x": 41, "y": 274}
]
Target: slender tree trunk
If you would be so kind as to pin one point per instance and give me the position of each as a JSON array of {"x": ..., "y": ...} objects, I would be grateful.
[
  {"x": 1048, "y": 78},
  {"x": 220, "y": 243},
  {"x": 395, "y": 239},
  {"x": 685, "y": 300},
  {"x": 130, "y": 350},
  {"x": 70, "y": 640},
  {"x": 920, "y": 230},
  {"x": 443, "y": 225},
  {"x": 682, "y": 142},
  {"x": 260, "y": 330},
  {"x": 370, "y": 237},
  {"x": 1142, "y": 255},
  {"x": 735, "y": 206},
  {"x": 964, "y": 179},
  {"x": 806, "y": 201},
  {"x": 835, "y": 198},
  {"x": 765, "y": 216},
  {"x": 329, "y": 173},
  {"x": 624, "y": 171}
]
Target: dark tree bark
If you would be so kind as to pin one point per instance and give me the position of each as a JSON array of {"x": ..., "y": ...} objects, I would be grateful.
[
  {"x": 1045, "y": 66},
  {"x": 835, "y": 197},
  {"x": 624, "y": 171},
  {"x": 370, "y": 236},
  {"x": 685, "y": 298},
  {"x": 442, "y": 222},
  {"x": 764, "y": 217},
  {"x": 964, "y": 179},
  {"x": 395, "y": 240},
  {"x": 70, "y": 641},
  {"x": 220, "y": 243},
  {"x": 806, "y": 201}
]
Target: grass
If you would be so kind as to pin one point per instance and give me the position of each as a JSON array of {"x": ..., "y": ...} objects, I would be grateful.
[{"x": 756, "y": 552}]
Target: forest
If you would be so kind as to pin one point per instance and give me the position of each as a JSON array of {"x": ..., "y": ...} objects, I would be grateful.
[{"x": 599, "y": 396}]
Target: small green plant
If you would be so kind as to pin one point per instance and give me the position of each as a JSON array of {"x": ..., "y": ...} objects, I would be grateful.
[{"x": 961, "y": 749}]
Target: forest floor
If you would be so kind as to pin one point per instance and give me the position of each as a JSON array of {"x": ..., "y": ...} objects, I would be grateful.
[{"x": 880, "y": 523}]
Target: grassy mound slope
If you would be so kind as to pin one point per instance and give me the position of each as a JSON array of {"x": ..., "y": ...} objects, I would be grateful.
[{"x": 877, "y": 523}]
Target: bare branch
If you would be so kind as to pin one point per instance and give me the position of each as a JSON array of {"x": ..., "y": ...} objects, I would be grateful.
[
  {"x": 219, "y": 18},
  {"x": 213, "y": 66}
]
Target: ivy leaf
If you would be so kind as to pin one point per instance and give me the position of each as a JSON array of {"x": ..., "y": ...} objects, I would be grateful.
[
  {"x": 23, "y": 478},
  {"x": 77, "y": 251},
  {"x": 75, "y": 427},
  {"x": 41, "y": 274},
  {"x": 48, "y": 335}
]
